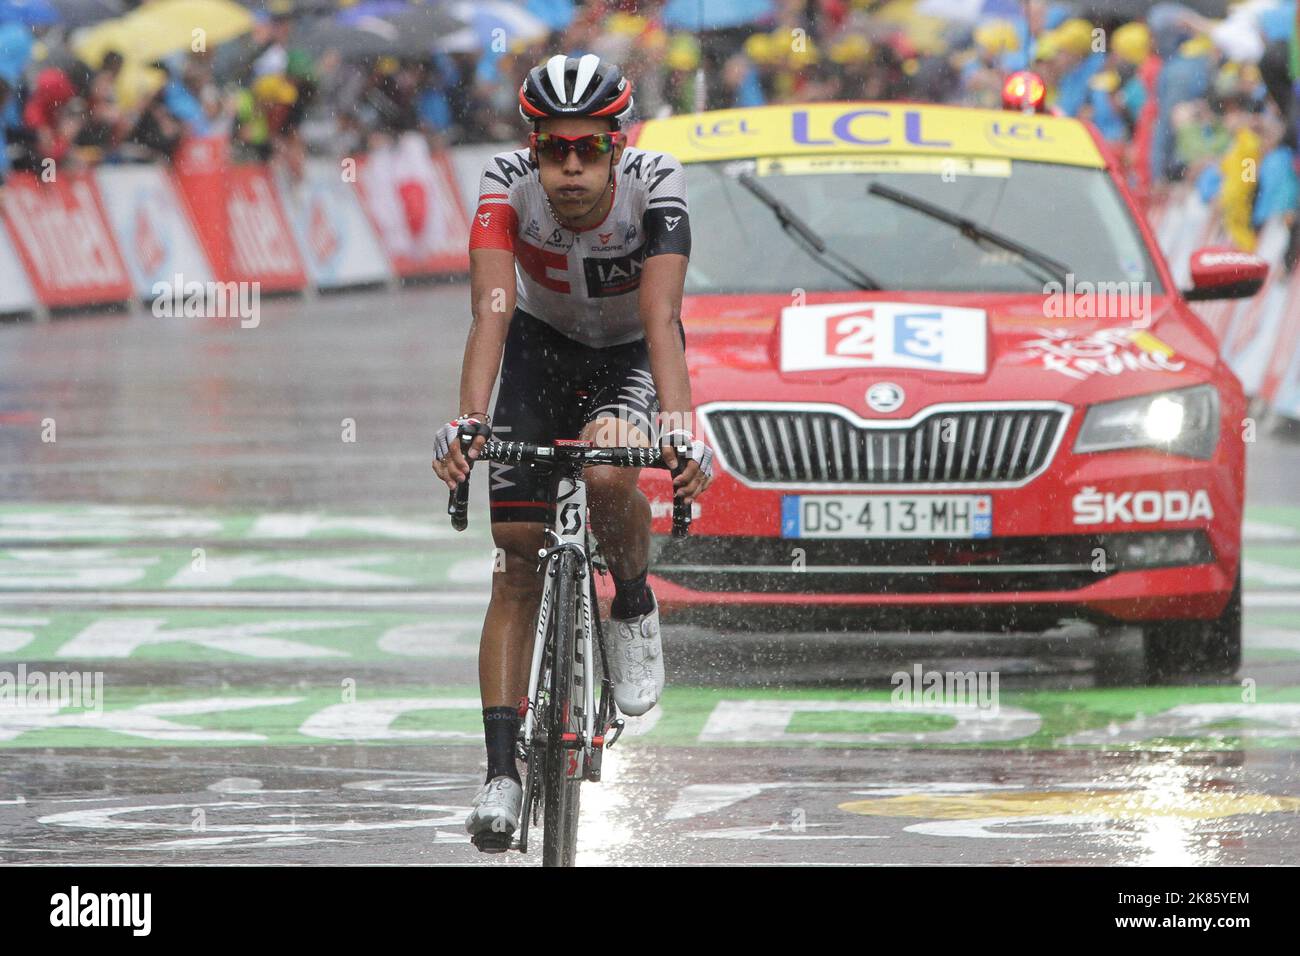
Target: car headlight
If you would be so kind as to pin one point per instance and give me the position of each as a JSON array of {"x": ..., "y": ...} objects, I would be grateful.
[{"x": 1183, "y": 422}]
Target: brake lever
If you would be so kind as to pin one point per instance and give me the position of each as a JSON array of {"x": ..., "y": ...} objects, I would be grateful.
[
  {"x": 681, "y": 509},
  {"x": 458, "y": 498}
]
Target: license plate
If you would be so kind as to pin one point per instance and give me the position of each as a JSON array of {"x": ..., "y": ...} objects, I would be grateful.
[{"x": 886, "y": 516}]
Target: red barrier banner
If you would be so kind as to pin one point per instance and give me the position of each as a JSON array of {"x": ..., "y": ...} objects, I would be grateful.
[
  {"x": 1258, "y": 337},
  {"x": 62, "y": 236},
  {"x": 199, "y": 167},
  {"x": 236, "y": 213},
  {"x": 1280, "y": 387},
  {"x": 262, "y": 244},
  {"x": 413, "y": 200}
]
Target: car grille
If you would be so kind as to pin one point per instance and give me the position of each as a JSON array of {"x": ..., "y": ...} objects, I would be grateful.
[{"x": 964, "y": 445}]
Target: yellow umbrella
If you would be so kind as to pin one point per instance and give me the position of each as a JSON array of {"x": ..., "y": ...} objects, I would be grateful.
[
  {"x": 165, "y": 26},
  {"x": 137, "y": 82}
]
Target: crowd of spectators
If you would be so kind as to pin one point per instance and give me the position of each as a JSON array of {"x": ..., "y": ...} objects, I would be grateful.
[{"x": 1181, "y": 97}]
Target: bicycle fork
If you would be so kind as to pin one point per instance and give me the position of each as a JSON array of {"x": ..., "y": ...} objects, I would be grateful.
[{"x": 535, "y": 671}]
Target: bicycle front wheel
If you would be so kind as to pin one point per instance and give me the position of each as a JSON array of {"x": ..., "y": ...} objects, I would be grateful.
[{"x": 563, "y": 763}]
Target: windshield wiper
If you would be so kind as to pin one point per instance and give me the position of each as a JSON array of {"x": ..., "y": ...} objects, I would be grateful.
[
  {"x": 974, "y": 231},
  {"x": 815, "y": 244}
]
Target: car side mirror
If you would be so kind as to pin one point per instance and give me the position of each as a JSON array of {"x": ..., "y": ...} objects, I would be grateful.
[{"x": 1221, "y": 272}]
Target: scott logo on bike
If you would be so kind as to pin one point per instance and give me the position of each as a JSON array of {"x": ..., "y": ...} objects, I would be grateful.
[{"x": 571, "y": 518}]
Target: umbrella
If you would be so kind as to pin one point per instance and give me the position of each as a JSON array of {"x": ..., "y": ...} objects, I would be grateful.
[
  {"x": 556, "y": 14},
  {"x": 83, "y": 13},
  {"x": 371, "y": 8},
  {"x": 420, "y": 24},
  {"x": 425, "y": 26},
  {"x": 715, "y": 14},
  {"x": 969, "y": 11},
  {"x": 1138, "y": 9},
  {"x": 272, "y": 7},
  {"x": 420, "y": 27},
  {"x": 370, "y": 36},
  {"x": 165, "y": 26},
  {"x": 34, "y": 13},
  {"x": 483, "y": 19},
  {"x": 16, "y": 43}
]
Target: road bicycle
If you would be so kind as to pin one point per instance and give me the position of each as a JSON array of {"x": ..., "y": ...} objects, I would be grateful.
[{"x": 564, "y": 732}]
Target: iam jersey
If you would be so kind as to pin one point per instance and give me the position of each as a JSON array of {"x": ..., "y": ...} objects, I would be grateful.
[{"x": 584, "y": 283}]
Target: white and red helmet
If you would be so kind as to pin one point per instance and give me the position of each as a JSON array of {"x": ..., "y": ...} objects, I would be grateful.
[{"x": 575, "y": 86}]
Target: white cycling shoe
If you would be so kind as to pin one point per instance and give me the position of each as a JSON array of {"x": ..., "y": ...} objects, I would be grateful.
[
  {"x": 496, "y": 808},
  {"x": 636, "y": 662}
]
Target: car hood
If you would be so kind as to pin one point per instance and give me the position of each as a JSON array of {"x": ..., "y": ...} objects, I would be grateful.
[{"x": 736, "y": 350}]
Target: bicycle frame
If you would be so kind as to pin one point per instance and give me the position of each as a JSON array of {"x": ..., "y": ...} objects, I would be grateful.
[{"x": 569, "y": 532}]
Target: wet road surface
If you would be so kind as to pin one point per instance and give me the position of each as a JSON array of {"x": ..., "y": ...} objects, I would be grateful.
[{"x": 236, "y": 530}]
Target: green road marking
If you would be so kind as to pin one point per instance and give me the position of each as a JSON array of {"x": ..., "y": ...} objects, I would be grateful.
[
  {"x": 211, "y": 636},
  {"x": 440, "y": 564},
  {"x": 829, "y": 722},
  {"x": 151, "y": 549},
  {"x": 466, "y": 722},
  {"x": 1269, "y": 618},
  {"x": 39, "y": 523},
  {"x": 220, "y": 567},
  {"x": 1280, "y": 516},
  {"x": 1254, "y": 657},
  {"x": 1270, "y": 636},
  {"x": 1271, "y": 566},
  {"x": 1173, "y": 719}
]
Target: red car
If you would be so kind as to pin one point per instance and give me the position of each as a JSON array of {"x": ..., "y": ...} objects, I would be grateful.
[{"x": 950, "y": 383}]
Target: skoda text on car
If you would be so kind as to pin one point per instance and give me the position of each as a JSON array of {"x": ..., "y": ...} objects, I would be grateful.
[{"x": 950, "y": 382}]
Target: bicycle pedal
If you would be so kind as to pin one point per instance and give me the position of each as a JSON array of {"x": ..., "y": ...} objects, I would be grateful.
[{"x": 489, "y": 842}]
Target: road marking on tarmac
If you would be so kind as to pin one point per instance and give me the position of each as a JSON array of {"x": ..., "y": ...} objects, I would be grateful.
[
  {"x": 781, "y": 832},
  {"x": 697, "y": 799},
  {"x": 253, "y": 599},
  {"x": 302, "y": 818},
  {"x": 1064, "y": 813},
  {"x": 1150, "y": 719},
  {"x": 767, "y": 721},
  {"x": 1268, "y": 574},
  {"x": 73, "y": 522},
  {"x": 1268, "y": 531},
  {"x": 122, "y": 637}
]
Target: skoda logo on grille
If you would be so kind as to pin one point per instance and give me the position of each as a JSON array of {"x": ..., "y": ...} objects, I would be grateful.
[{"x": 885, "y": 397}]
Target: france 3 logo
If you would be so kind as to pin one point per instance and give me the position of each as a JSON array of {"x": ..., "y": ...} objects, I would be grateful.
[{"x": 884, "y": 335}]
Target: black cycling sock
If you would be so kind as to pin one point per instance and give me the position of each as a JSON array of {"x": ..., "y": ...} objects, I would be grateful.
[
  {"x": 500, "y": 728},
  {"x": 632, "y": 598}
]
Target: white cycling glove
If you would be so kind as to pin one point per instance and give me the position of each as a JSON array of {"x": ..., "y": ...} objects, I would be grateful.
[
  {"x": 699, "y": 450},
  {"x": 466, "y": 425}
]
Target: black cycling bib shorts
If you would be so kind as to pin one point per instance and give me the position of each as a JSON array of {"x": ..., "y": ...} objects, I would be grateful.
[{"x": 551, "y": 387}]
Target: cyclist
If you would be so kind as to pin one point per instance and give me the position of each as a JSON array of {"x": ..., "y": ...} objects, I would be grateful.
[{"x": 582, "y": 242}]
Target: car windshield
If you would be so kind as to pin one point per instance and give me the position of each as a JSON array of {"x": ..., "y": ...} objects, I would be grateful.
[{"x": 1071, "y": 214}]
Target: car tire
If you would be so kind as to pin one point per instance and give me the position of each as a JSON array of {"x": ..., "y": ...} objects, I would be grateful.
[{"x": 1196, "y": 648}]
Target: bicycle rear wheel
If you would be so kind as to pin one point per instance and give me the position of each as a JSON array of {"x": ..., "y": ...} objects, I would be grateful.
[{"x": 563, "y": 764}]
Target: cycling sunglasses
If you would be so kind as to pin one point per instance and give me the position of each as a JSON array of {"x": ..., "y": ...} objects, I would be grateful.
[{"x": 590, "y": 147}]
